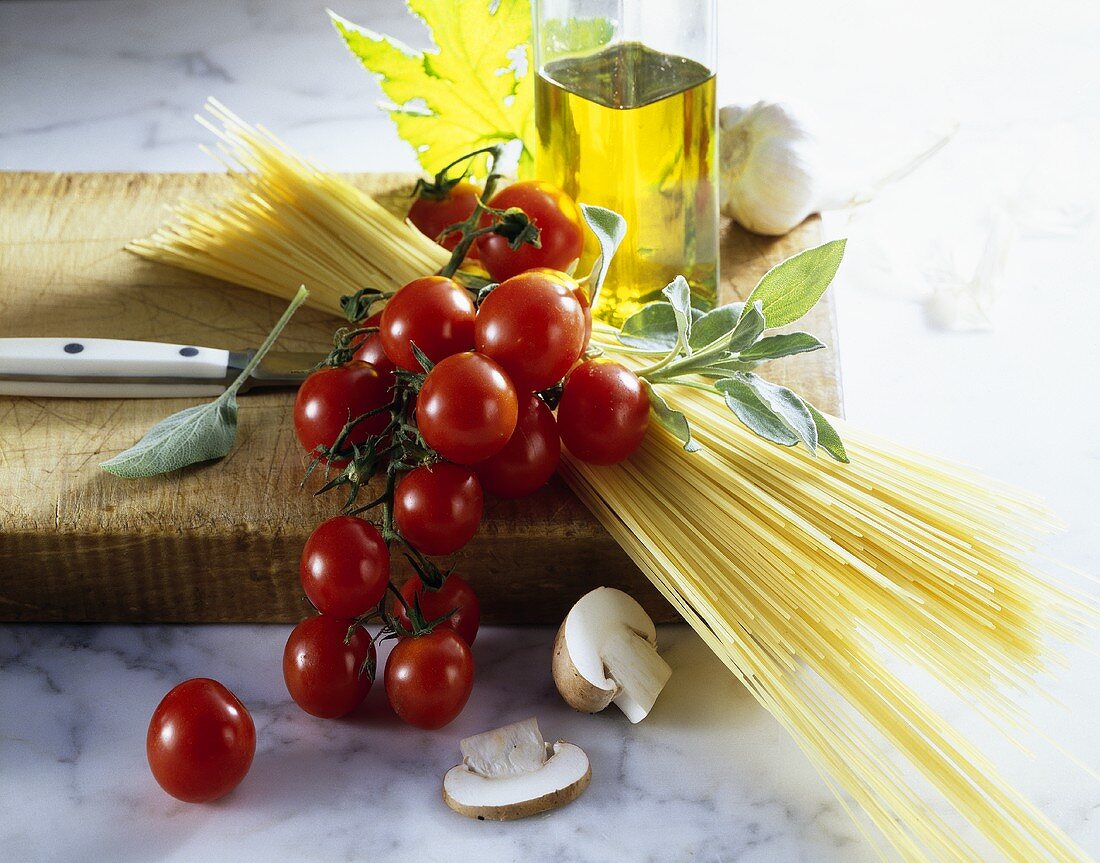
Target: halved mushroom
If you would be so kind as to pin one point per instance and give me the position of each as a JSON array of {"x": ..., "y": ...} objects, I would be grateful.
[
  {"x": 511, "y": 772},
  {"x": 606, "y": 651}
]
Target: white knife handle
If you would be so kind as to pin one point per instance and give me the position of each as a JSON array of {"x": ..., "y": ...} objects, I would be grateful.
[{"x": 109, "y": 368}]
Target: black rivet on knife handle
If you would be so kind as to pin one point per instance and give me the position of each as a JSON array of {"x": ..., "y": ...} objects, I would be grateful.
[
  {"x": 189, "y": 352},
  {"x": 73, "y": 348}
]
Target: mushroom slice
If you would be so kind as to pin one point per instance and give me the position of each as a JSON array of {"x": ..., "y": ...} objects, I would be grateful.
[
  {"x": 606, "y": 651},
  {"x": 511, "y": 773}
]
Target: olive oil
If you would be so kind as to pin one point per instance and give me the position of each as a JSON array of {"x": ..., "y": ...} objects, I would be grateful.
[{"x": 632, "y": 129}]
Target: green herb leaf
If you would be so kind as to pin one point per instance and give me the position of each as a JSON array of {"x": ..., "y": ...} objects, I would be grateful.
[
  {"x": 473, "y": 90},
  {"x": 827, "y": 437},
  {"x": 609, "y": 228},
  {"x": 754, "y": 412},
  {"x": 679, "y": 296},
  {"x": 671, "y": 419},
  {"x": 748, "y": 329},
  {"x": 790, "y": 289},
  {"x": 198, "y": 433},
  {"x": 715, "y": 324},
  {"x": 787, "y": 405},
  {"x": 651, "y": 328},
  {"x": 782, "y": 345}
]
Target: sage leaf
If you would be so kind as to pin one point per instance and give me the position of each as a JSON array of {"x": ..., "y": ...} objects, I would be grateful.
[
  {"x": 679, "y": 296},
  {"x": 609, "y": 228},
  {"x": 198, "y": 433},
  {"x": 786, "y": 404},
  {"x": 748, "y": 329},
  {"x": 827, "y": 437},
  {"x": 790, "y": 289},
  {"x": 725, "y": 368},
  {"x": 781, "y": 345},
  {"x": 671, "y": 419},
  {"x": 714, "y": 325},
  {"x": 651, "y": 328},
  {"x": 755, "y": 413}
]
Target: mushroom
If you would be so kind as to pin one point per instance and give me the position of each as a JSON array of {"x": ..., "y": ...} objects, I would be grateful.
[
  {"x": 511, "y": 772},
  {"x": 606, "y": 651}
]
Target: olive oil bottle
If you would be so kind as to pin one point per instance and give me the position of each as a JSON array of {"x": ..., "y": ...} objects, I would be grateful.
[{"x": 633, "y": 129}]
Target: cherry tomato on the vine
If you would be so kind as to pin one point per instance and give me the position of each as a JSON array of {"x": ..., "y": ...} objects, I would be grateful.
[
  {"x": 437, "y": 508},
  {"x": 432, "y": 216},
  {"x": 345, "y": 567},
  {"x": 330, "y": 397},
  {"x": 201, "y": 741},
  {"x": 579, "y": 291},
  {"x": 533, "y": 326},
  {"x": 529, "y": 458},
  {"x": 554, "y": 213},
  {"x": 429, "y": 678},
  {"x": 603, "y": 413},
  {"x": 370, "y": 350},
  {"x": 434, "y": 313},
  {"x": 455, "y": 595},
  {"x": 466, "y": 410},
  {"x": 325, "y": 676}
]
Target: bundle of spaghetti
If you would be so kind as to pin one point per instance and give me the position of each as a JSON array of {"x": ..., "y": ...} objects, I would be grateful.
[
  {"x": 804, "y": 575},
  {"x": 288, "y": 222}
]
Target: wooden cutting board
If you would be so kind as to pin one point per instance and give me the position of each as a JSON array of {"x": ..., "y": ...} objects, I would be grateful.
[{"x": 221, "y": 542}]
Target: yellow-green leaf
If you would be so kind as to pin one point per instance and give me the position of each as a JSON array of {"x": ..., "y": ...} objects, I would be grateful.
[{"x": 474, "y": 90}]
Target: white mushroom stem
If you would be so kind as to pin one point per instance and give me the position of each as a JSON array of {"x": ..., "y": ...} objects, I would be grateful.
[{"x": 508, "y": 751}]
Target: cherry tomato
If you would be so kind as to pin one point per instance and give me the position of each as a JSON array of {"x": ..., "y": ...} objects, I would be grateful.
[
  {"x": 467, "y": 408},
  {"x": 434, "y": 313},
  {"x": 324, "y": 676},
  {"x": 330, "y": 397},
  {"x": 603, "y": 413},
  {"x": 432, "y": 216},
  {"x": 201, "y": 741},
  {"x": 529, "y": 458},
  {"x": 438, "y": 508},
  {"x": 533, "y": 325},
  {"x": 429, "y": 678},
  {"x": 345, "y": 567},
  {"x": 579, "y": 291},
  {"x": 455, "y": 595},
  {"x": 370, "y": 350},
  {"x": 554, "y": 213}
]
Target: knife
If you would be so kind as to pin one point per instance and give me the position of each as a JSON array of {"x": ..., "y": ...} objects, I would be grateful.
[{"x": 118, "y": 368}]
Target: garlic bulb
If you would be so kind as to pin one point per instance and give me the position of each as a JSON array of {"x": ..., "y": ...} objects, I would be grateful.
[{"x": 769, "y": 167}]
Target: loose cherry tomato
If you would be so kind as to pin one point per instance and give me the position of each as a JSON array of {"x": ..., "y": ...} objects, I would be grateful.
[
  {"x": 533, "y": 325},
  {"x": 429, "y": 678},
  {"x": 529, "y": 458},
  {"x": 370, "y": 350},
  {"x": 554, "y": 213},
  {"x": 437, "y": 508},
  {"x": 345, "y": 567},
  {"x": 325, "y": 676},
  {"x": 432, "y": 216},
  {"x": 455, "y": 595},
  {"x": 467, "y": 408},
  {"x": 434, "y": 313},
  {"x": 330, "y": 397},
  {"x": 201, "y": 741},
  {"x": 603, "y": 413}
]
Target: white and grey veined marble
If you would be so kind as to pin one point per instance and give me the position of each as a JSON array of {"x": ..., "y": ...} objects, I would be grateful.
[{"x": 112, "y": 85}]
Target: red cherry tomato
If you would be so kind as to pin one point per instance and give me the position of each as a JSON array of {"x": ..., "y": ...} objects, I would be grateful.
[
  {"x": 533, "y": 326},
  {"x": 603, "y": 413},
  {"x": 467, "y": 408},
  {"x": 529, "y": 458},
  {"x": 579, "y": 291},
  {"x": 434, "y": 313},
  {"x": 324, "y": 676},
  {"x": 455, "y": 595},
  {"x": 330, "y": 397},
  {"x": 554, "y": 213},
  {"x": 370, "y": 350},
  {"x": 433, "y": 216},
  {"x": 201, "y": 741},
  {"x": 438, "y": 508},
  {"x": 345, "y": 567},
  {"x": 429, "y": 678}
]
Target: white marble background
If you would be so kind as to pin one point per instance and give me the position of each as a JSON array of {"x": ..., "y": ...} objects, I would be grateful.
[{"x": 112, "y": 85}]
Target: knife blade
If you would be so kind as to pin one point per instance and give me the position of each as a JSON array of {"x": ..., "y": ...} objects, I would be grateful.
[{"x": 120, "y": 368}]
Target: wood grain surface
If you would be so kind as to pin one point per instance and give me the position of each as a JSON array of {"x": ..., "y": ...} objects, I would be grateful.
[{"x": 220, "y": 542}]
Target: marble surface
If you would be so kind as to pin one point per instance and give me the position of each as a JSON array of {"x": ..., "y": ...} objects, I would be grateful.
[{"x": 112, "y": 85}]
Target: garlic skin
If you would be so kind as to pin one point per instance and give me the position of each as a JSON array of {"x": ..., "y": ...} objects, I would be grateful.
[{"x": 769, "y": 167}]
